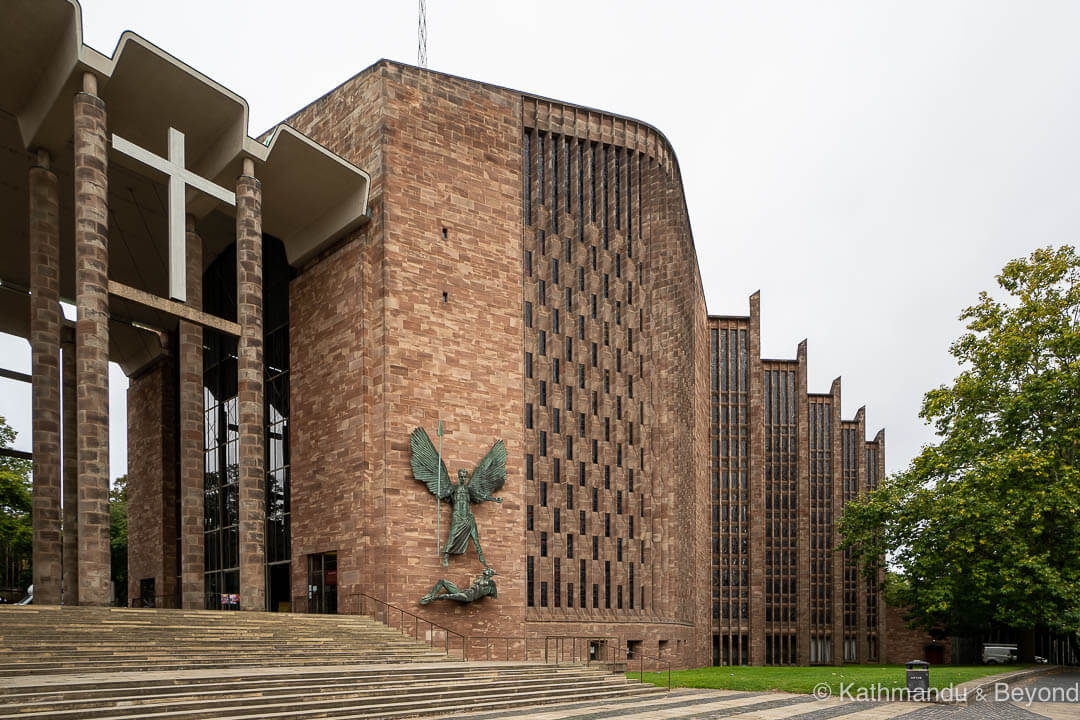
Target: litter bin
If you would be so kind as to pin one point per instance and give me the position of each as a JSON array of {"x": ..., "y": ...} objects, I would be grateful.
[{"x": 918, "y": 676}]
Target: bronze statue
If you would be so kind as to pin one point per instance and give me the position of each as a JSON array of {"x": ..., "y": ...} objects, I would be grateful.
[
  {"x": 482, "y": 586},
  {"x": 489, "y": 476}
]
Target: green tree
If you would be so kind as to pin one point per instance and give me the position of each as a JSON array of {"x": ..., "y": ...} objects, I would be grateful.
[
  {"x": 16, "y": 531},
  {"x": 984, "y": 526},
  {"x": 118, "y": 533}
]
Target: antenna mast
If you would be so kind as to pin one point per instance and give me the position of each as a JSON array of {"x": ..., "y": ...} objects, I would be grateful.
[{"x": 421, "y": 51}]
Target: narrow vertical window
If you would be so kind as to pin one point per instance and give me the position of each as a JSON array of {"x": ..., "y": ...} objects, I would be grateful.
[
  {"x": 618, "y": 188},
  {"x": 640, "y": 163},
  {"x": 529, "y": 581},
  {"x": 555, "y": 182},
  {"x": 581, "y": 581},
  {"x": 526, "y": 154},
  {"x": 540, "y": 160},
  {"x": 581, "y": 189},
  {"x": 604, "y": 192},
  {"x": 566, "y": 170},
  {"x": 592, "y": 194}
]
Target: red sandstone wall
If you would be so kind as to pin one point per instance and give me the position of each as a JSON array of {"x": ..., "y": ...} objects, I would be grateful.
[
  {"x": 152, "y": 480},
  {"x": 336, "y": 318},
  {"x": 902, "y": 644},
  {"x": 449, "y": 150},
  {"x": 668, "y": 362}
]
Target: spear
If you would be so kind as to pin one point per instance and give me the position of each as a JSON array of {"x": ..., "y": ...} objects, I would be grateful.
[{"x": 438, "y": 500}]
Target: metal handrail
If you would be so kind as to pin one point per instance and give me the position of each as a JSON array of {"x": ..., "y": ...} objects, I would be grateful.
[
  {"x": 587, "y": 641},
  {"x": 642, "y": 656},
  {"x": 584, "y": 641},
  {"x": 401, "y": 612},
  {"x": 602, "y": 641}
]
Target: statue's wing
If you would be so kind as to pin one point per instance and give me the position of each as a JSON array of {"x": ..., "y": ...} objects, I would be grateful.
[
  {"x": 426, "y": 465},
  {"x": 490, "y": 474}
]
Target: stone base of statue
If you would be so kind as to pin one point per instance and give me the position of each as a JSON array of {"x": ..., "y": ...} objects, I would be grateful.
[{"x": 482, "y": 586}]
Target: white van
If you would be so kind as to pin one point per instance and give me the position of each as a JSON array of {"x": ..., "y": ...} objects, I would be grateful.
[{"x": 999, "y": 653}]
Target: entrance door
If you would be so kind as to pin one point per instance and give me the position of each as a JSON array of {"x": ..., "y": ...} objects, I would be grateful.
[{"x": 322, "y": 583}]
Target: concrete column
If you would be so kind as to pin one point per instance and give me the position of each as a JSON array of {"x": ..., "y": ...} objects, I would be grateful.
[
  {"x": 45, "y": 370},
  {"x": 757, "y": 488},
  {"x": 192, "y": 437},
  {"x": 92, "y": 342},
  {"x": 71, "y": 472},
  {"x": 249, "y": 372},
  {"x": 802, "y": 434}
]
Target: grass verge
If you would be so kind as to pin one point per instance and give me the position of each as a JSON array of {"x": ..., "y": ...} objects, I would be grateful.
[{"x": 804, "y": 679}]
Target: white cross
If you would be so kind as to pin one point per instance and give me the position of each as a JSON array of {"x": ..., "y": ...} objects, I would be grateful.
[{"x": 179, "y": 178}]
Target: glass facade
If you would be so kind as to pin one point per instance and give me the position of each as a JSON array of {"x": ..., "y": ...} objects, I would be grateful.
[{"x": 221, "y": 471}]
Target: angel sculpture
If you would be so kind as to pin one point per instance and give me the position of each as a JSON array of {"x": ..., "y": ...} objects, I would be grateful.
[{"x": 487, "y": 477}]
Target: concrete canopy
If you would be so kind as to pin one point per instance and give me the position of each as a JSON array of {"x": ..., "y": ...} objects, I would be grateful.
[{"x": 311, "y": 196}]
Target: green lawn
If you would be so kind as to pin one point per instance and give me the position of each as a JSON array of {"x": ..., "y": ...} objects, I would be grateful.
[{"x": 803, "y": 679}]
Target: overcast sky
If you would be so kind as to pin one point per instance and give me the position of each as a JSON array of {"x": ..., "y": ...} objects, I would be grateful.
[{"x": 869, "y": 166}]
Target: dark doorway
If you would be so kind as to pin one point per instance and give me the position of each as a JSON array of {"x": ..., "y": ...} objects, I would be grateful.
[
  {"x": 322, "y": 583},
  {"x": 277, "y": 588},
  {"x": 146, "y": 592}
]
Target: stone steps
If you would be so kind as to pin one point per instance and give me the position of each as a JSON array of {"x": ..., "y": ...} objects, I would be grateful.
[
  {"x": 209, "y": 702},
  {"x": 121, "y": 664},
  {"x": 349, "y": 694}
]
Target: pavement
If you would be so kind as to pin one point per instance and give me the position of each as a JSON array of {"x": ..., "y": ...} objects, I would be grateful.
[{"x": 1052, "y": 696}]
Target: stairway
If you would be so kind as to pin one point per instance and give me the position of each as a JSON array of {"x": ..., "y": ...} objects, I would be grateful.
[
  {"x": 50, "y": 639},
  {"x": 106, "y": 663}
]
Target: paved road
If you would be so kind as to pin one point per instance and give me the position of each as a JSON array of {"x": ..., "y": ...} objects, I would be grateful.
[{"x": 720, "y": 704}]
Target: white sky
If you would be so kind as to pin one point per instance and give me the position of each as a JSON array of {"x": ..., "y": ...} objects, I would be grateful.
[{"x": 868, "y": 165}]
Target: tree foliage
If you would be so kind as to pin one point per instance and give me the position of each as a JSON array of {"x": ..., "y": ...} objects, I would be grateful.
[
  {"x": 118, "y": 532},
  {"x": 15, "y": 504},
  {"x": 984, "y": 525}
]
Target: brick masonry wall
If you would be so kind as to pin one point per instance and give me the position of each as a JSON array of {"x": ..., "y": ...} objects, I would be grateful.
[{"x": 903, "y": 644}]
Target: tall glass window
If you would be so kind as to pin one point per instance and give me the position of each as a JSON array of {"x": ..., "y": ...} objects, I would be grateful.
[{"x": 221, "y": 469}]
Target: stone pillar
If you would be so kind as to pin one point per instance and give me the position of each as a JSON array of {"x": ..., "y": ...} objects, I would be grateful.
[
  {"x": 45, "y": 370},
  {"x": 71, "y": 472},
  {"x": 192, "y": 439},
  {"x": 837, "y": 556},
  {"x": 861, "y": 644},
  {"x": 92, "y": 342},
  {"x": 802, "y": 435},
  {"x": 249, "y": 373},
  {"x": 757, "y": 488}
]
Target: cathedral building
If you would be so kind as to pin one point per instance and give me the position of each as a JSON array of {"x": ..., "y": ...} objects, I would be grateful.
[{"x": 410, "y": 250}]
